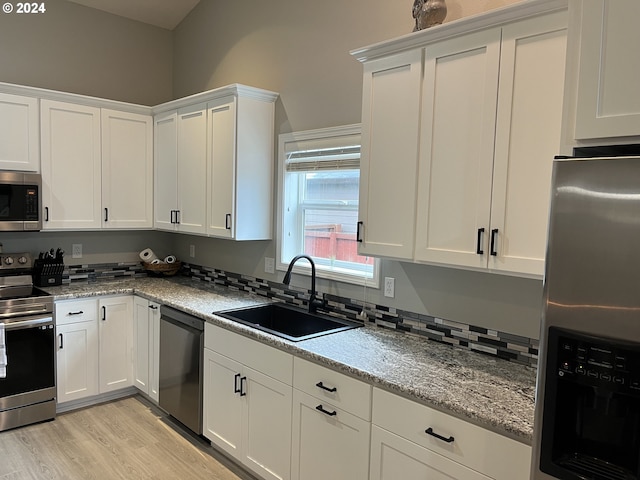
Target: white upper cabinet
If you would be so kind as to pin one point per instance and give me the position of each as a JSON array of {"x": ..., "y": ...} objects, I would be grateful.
[
  {"x": 127, "y": 170},
  {"x": 192, "y": 168},
  {"x": 459, "y": 110},
  {"x": 485, "y": 109},
  {"x": 214, "y": 164},
  {"x": 19, "y": 133},
  {"x": 96, "y": 167},
  {"x": 166, "y": 170},
  {"x": 71, "y": 169},
  {"x": 389, "y": 155},
  {"x": 240, "y": 177},
  {"x": 608, "y": 102},
  {"x": 181, "y": 169},
  {"x": 487, "y": 152}
]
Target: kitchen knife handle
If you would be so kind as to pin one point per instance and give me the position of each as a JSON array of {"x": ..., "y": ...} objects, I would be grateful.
[
  {"x": 494, "y": 241},
  {"x": 479, "y": 250},
  {"x": 429, "y": 431}
]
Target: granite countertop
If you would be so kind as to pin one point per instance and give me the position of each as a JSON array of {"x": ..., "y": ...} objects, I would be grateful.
[{"x": 490, "y": 392}]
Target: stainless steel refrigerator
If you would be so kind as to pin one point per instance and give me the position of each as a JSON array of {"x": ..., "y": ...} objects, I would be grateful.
[{"x": 587, "y": 424}]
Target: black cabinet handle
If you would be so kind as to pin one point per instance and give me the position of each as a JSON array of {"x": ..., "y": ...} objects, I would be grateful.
[
  {"x": 479, "y": 250},
  {"x": 177, "y": 216},
  {"x": 61, "y": 341},
  {"x": 106, "y": 214},
  {"x": 236, "y": 389},
  {"x": 227, "y": 221},
  {"x": 494, "y": 241},
  {"x": 46, "y": 214},
  {"x": 429, "y": 431},
  {"x": 79, "y": 312},
  {"x": 243, "y": 382},
  {"x": 358, "y": 237},
  {"x": 321, "y": 385},
  {"x": 153, "y": 307},
  {"x": 326, "y": 412},
  {"x": 172, "y": 213},
  {"x": 104, "y": 313}
]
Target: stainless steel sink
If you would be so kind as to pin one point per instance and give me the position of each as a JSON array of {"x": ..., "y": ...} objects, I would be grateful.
[{"x": 287, "y": 321}]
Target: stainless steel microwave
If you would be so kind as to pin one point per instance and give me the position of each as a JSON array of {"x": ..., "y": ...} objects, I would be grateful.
[{"x": 20, "y": 201}]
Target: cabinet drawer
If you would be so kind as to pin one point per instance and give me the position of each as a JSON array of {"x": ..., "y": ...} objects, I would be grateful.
[
  {"x": 75, "y": 311},
  {"x": 340, "y": 390},
  {"x": 482, "y": 450},
  {"x": 263, "y": 358}
]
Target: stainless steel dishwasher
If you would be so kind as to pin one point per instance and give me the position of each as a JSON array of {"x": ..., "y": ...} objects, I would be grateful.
[{"x": 181, "y": 349}]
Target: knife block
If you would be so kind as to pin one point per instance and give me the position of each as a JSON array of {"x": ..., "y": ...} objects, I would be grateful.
[{"x": 47, "y": 272}]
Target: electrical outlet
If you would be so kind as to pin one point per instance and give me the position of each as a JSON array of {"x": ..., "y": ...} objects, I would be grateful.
[
  {"x": 389, "y": 287},
  {"x": 76, "y": 250},
  {"x": 192, "y": 251},
  {"x": 269, "y": 265}
]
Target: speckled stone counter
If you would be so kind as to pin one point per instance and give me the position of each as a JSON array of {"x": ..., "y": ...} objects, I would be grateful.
[{"x": 489, "y": 392}]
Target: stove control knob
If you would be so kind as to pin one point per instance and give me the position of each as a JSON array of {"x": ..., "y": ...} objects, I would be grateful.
[
  {"x": 22, "y": 260},
  {"x": 8, "y": 260}
]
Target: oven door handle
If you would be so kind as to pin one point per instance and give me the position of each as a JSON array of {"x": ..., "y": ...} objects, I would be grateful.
[{"x": 30, "y": 323}]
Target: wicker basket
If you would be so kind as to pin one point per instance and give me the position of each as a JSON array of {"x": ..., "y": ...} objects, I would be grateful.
[{"x": 162, "y": 269}]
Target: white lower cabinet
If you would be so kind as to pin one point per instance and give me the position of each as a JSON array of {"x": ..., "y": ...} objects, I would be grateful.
[
  {"x": 146, "y": 346},
  {"x": 412, "y": 441},
  {"x": 77, "y": 349},
  {"x": 331, "y": 424},
  {"x": 247, "y": 401},
  {"x": 94, "y": 348},
  {"x": 394, "y": 457},
  {"x": 327, "y": 441}
]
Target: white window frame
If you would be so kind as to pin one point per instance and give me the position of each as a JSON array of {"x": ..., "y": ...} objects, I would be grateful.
[{"x": 303, "y": 267}]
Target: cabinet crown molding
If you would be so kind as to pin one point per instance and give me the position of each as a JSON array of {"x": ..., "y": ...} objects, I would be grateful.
[
  {"x": 492, "y": 18},
  {"x": 233, "y": 89}
]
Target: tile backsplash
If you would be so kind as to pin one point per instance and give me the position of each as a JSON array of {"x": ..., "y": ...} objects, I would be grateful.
[{"x": 491, "y": 342}]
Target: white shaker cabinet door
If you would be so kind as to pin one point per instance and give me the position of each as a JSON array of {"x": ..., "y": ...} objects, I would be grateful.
[
  {"x": 19, "y": 133},
  {"x": 608, "y": 100},
  {"x": 388, "y": 167},
  {"x": 115, "y": 321},
  {"x": 71, "y": 166},
  {"x": 456, "y": 157},
  {"x": 77, "y": 360},
  {"x": 165, "y": 166},
  {"x": 127, "y": 170},
  {"x": 192, "y": 168},
  {"x": 528, "y": 130}
]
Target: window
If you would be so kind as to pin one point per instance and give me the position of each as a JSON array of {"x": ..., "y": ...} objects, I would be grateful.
[{"x": 318, "y": 205}]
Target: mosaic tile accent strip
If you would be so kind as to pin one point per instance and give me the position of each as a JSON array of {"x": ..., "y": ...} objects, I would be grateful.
[
  {"x": 101, "y": 271},
  {"x": 504, "y": 345}
]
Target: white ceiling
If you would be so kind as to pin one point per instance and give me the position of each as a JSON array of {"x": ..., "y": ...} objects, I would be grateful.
[{"x": 161, "y": 13}]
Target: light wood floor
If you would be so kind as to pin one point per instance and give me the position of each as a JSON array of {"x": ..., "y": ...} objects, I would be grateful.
[{"x": 123, "y": 439}]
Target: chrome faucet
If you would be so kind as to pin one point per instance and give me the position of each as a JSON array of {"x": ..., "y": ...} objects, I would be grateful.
[{"x": 314, "y": 303}]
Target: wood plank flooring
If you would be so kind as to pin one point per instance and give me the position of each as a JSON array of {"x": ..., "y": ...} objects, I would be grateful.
[{"x": 123, "y": 439}]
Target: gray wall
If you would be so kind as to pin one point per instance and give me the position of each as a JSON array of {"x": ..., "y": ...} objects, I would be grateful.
[
  {"x": 298, "y": 48},
  {"x": 77, "y": 49}
]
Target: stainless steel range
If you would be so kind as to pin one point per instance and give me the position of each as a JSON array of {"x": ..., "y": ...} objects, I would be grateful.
[{"x": 27, "y": 346}]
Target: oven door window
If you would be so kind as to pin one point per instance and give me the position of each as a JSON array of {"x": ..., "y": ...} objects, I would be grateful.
[{"x": 30, "y": 360}]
